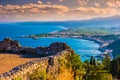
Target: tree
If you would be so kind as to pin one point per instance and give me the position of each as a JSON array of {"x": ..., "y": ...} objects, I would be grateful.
[
  {"x": 92, "y": 61},
  {"x": 115, "y": 68},
  {"x": 106, "y": 62},
  {"x": 75, "y": 63}
]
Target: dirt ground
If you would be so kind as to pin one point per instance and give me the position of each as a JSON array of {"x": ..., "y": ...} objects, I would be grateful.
[{"x": 9, "y": 61}]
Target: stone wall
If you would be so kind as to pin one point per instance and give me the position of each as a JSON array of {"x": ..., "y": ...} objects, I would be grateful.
[{"x": 50, "y": 64}]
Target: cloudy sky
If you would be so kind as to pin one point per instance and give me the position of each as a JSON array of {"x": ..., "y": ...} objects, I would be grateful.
[{"x": 55, "y": 10}]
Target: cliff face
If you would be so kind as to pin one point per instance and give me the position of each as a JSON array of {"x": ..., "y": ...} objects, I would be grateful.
[{"x": 50, "y": 64}]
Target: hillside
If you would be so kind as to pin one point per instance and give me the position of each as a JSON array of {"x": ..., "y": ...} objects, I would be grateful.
[{"x": 115, "y": 46}]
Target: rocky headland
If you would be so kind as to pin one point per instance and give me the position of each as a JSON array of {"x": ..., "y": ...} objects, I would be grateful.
[{"x": 13, "y": 46}]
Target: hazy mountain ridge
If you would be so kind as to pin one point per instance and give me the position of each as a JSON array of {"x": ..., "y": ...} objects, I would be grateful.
[
  {"x": 106, "y": 22},
  {"x": 113, "y": 21}
]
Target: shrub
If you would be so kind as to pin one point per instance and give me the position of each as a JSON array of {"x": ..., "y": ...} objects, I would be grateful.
[
  {"x": 18, "y": 78},
  {"x": 38, "y": 75}
]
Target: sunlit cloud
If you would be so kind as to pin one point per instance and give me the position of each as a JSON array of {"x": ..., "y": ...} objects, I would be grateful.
[
  {"x": 61, "y": 0},
  {"x": 93, "y": 12},
  {"x": 82, "y": 2},
  {"x": 49, "y": 3},
  {"x": 32, "y": 10},
  {"x": 114, "y": 3},
  {"x": 97, "y": 5},
  {"x": 9, "y": 9},
  {"x": 86, "y": 9},
  {"x": 40, "y": 2}
]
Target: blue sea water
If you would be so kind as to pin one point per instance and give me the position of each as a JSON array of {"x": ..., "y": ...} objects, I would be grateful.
[{"x": 85, "y": 48}]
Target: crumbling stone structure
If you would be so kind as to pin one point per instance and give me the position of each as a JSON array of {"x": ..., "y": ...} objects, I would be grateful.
[
  {"x": 8, "y": 45},
  {"x": 50, "y": 63}
]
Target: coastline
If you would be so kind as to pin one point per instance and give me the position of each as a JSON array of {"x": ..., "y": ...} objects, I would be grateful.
[
  {"x": 98, "y": 42},
  {"x": 89, "y": 39},
  {"x": 103, "y": 49},
  {"x": 56, "y": 34}
]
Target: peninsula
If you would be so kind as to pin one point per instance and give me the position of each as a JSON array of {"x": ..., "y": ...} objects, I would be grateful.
[{"x": 104, "y": 38}]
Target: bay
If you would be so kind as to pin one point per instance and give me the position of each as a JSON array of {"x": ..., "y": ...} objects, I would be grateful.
[{"x": 85, "y": 48}]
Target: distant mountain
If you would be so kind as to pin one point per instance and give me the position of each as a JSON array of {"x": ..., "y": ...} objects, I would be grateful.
[{"x": 108, "y": 22}]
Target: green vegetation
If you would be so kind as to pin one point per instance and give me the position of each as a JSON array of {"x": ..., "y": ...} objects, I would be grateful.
[
  {"x": 18, "y": 78},
  {"x": 84, "y": 32},
  {"x": 62, "y": 62},
  {"x": 115, "y": 46},
  {"x": 109, "y": 37},
  {"x": 115, "y": 68},
  {"x": 91, "y": 31},
  {"x": 75, "y": 64},
  {"x": 96, "y": 70},
  {"x": 92, "y": 61},
  {"x": 38, "y": 75},
  {"x": 106, "y": 62},
  {"x": 88, "y": 70}
]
